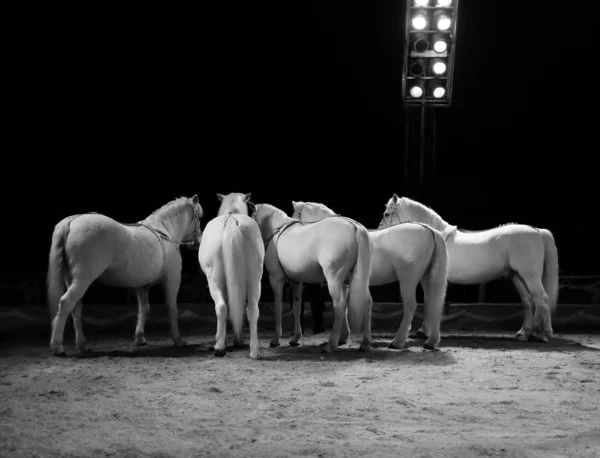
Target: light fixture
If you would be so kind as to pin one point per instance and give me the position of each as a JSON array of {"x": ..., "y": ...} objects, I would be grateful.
[
  {"x": 416, "y": 91},
  {"x": 437, "y": 89},
  {"x": 442, "y": 20},
  {"x": 438, "y": 66},
  {"x": 419, "y": 20},
  {"x": 421, "y": 2},
  {"x": 421, "y": 43},
  {"x": 440, "y": 44},
  {"x": 417, "y": 67},
  {"x": 444, "y": 3}
]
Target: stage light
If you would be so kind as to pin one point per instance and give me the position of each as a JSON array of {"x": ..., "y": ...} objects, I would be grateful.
[
  {"x": 438, "y": 91},
  {"x": 421, "y": 43},
  {"x": 416, "y": 91},
  {"x": 417, "y": 67},
  {"x": 421, "y": 2},
  {"x": 438, "y": 66},
  {"x": 419, "y": 20},
  {"x": 444, "y": 3},
  {"x": 442, "y": 20},
  {"x": 439, "y": 43}
]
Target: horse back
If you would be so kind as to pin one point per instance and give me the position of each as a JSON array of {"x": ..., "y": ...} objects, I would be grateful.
[{"x": 119, "y": 254}]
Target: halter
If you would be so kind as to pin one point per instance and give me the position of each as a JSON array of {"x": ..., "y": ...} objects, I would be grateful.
[
  {"x": 193, "y": 239},
  {"x": 382, "y": 225}
]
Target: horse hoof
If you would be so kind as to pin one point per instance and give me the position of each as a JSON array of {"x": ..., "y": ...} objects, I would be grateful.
[
  {"x": 140, "y": 342},
  {"x": 522, "y": 337},
  {"x": 429, "y": 346},
  {"x": 254, "y": 357},
  {"x": 274, "y": 344},
  {"x": 59, "y": 353},
  {"x": 294, "y": 344},
  {"x": 342, "y": 342},
  {"x": 394, "y": 346},
  {"x": 220, "y": 353},
  {"x": 364, "y": 348}
]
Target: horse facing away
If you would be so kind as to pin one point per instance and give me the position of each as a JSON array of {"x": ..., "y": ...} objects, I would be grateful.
[
  {"x": 231, "y": 256},
  {"x": 332, "y": 250},
  {"x": 410, "y": 253},
  {"x": 91, "y": 247},
  {"x": 526, "y": 254}
]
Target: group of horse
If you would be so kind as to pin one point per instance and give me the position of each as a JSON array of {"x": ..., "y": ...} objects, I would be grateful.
[{"x": 412, "y": 245}]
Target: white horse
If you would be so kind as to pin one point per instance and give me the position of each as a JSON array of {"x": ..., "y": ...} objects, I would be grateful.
[
  {"x": 526, "y": 254},
  {"x": 91, "y": 247},
  {"x": 332, "y": 250},
  {"x": 410, "y": 253},
  {"x": 231, "y": 256}
]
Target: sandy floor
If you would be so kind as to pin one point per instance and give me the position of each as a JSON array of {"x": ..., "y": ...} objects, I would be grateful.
[{"x": 479, "y": 395}]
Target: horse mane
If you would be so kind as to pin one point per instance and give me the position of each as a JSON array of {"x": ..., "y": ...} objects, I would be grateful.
[
  {"x": 173, "y": 208},
  {"x": 428, "y": 214},
  {"x": 322, "y": 205},
  {"x": 275, "y": 210}
]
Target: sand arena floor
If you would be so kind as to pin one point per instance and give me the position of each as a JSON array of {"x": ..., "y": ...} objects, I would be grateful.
[{"x": 480, "y": 395}]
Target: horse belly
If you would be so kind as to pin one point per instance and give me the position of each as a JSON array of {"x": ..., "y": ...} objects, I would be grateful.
[
  {"x": 475, "y": 265},
  {"x": 139, "y": 264},
  {"x": 383, "y": 271}
]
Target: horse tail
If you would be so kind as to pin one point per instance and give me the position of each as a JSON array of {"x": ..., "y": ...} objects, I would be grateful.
[
  {"x": 58, "y": 266},
  {"x": 359, "y": 295},
  {"x": 438, "y": 278},
  {"x": 234, "y": 267},
  {"x": 550, "y": 275}
]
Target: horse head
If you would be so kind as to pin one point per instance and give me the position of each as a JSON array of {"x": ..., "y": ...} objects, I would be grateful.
[
  {"x": 393, "y": 213},
  {"x": 310, "y": 212},
  {"x": 269, "y": 218},
  {"x": 193, "y": 233},
  {"x": 235, "y": 202}
]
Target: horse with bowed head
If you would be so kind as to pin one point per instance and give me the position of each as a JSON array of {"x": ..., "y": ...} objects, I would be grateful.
[
  {"x": 231, "y": 256},
  {"x": 410, "y": 253},
  {"x": 90, "y": 247},
  {"x": 332, "y": 250},
  {"x": 526, "y": 254}
]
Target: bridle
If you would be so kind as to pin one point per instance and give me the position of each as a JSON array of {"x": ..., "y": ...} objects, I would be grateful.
[
  {"x": 197, "y": 230},
  {"x": 392, "y": 216}
]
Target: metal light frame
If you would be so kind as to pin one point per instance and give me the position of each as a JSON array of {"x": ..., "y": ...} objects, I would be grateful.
[{"x": 450, "y": 53}]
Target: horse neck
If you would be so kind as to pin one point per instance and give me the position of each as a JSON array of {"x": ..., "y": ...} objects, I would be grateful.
[
  {"x": 233, "y": 208},
  {"x": 416, "y": 213},
  {"x": 175, "y": 224}
]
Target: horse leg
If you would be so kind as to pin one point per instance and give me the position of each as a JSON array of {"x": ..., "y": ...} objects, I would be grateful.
[
  {"x": 221, "y": 311},
  {"x": 345, "y": 331},
  {"x": 143, "y": 309},
  {"x": 422, "y": 332},
  {"x": 66, "y": 304},
  {"x": 365, "y": 345},
  {"x": 338, "y": 296},
  {"x": 277, "y": 286},
  {"x": 409, "y": 303},
  {"x": 542, "y": 310},
  {"x": 171, "y": 287},
  {"x": 252, "y": 310},
  {"x": 296, "y": 298},
  {"x": 79, "y": 335},
  {"x": 525, "y": 330}
]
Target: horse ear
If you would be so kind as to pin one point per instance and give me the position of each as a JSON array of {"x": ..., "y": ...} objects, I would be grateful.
[
  {"x": 251, "y": 208},
  {"x": 220, "y": 197},
  {"x": 195, "y": 200},
  {"x": 247, "y": 197},
  {"x": 395, "y": 198}
]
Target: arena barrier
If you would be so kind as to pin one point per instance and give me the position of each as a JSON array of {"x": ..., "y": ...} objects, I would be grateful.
[{"x": 578, "y": 310}]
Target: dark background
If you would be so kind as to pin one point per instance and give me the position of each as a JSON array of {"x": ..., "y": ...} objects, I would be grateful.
[{"x": 120, "y": 108}]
